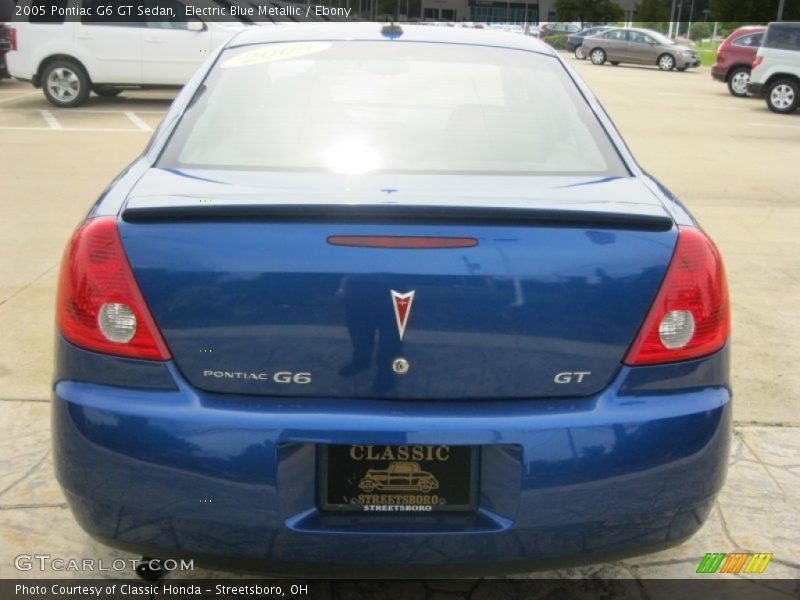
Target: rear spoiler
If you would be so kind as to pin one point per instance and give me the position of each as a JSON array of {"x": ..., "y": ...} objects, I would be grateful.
[{"x": 395, "y": 213}]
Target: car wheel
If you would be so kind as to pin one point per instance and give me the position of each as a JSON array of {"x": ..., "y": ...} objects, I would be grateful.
[
  {"x": 783, "y": 96},
  {"x": 598, "y": 56},
  {"x": 425, "y": 487},
  {"x": 368, "y": 485},
  {"x": 579, "y": 53},
  {"x": 737, "y": 81},
  {"x": 666, "y": 62},
  {"x": 106, "y": 91},
  {"x": 614, "y": 62},
  {"x": 65, "y": 84}
]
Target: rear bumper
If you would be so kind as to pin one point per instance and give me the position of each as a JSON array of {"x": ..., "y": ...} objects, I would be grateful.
[
  {"x": 232, "y": 480},
  {"x": 17, "y": 67},
  {"x": 717, "y": 75}
]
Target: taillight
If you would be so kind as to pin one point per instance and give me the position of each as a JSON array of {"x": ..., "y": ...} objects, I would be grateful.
[
  {"x": 757, "y": 61},
  {"x": 99, "y": 305},
  {"x": 690, "y": 316},
  {"x": 12, "y": 39}
]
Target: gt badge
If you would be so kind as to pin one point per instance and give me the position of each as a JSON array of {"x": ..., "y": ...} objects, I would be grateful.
[{"x": 402, "y": 309}]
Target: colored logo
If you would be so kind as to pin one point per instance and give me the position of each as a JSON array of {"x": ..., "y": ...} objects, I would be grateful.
[
  {"x": 399, "y": 476},
  {"x": 737, "y": 562},
  {"x": 402, "y": 309}
]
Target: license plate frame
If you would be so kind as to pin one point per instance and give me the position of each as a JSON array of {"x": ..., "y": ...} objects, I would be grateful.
[{"x": 452, "y": 484}]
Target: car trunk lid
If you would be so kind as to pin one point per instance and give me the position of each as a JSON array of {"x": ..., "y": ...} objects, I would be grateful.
[{"x": 252, "y": 296}]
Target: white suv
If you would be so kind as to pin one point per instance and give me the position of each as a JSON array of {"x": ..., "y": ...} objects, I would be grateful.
[
  {"x": 69, "y": 58},
  {"x": 776, "y": 69}
]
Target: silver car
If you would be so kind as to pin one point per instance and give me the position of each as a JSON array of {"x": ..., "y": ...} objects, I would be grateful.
[{"x": 639, "y": 46}]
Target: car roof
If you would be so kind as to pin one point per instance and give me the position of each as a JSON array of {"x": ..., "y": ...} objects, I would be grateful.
[
  {"x": 294, "y": 32},
  {"x": 784, "y": 25}
]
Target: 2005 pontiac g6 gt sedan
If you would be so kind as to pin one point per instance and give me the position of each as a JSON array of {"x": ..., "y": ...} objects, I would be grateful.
[{"x": 418, "y": 252}]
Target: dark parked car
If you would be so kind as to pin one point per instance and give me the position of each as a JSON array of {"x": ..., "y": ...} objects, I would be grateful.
[
  {"x": 735, "y": 58},
  {"x": 5, "y": 46},
  {"x": 575, "y": 41},
  {"x": 6, "y": 13},
  {"x": 557, "y": 29}
]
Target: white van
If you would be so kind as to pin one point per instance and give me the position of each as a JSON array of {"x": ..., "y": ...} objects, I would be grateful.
[
  {"x": 776, "y": 68},
  {"x": 73, "y": 56}
]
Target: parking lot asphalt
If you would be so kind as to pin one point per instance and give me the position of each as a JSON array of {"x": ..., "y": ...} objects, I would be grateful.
[{"x": 731, "y": 161}]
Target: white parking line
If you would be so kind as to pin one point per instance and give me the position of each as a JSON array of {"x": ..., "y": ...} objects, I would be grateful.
[
  {"x": 69, "y": 111},
  {"x": 51, "y": 120},
  {"x": 137, "y": 121},
  {"x": 104, "y": 111},
  {"x": 79, "y": 129}
]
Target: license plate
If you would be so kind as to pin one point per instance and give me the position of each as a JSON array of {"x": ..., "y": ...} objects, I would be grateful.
[{"x": 398, "y": 479}]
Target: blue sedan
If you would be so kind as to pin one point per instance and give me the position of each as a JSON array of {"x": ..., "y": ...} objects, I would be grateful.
[{"x": 393, "y": 301}]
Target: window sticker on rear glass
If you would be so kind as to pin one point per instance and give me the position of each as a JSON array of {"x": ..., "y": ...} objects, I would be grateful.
[{"x": 274, "y": 52}]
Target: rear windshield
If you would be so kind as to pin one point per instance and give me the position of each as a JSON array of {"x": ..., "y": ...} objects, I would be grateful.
[{"x": 357, "y": 107}]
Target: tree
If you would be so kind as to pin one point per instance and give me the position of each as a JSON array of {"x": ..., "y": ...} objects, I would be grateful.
[
  {"x": 6, "y": 10},
  {"x": 569, "y": 10},
  {"x": 594, "y": 11},
  {"x": 652, "y": 11},
  {"x": 699, "y": 31}
]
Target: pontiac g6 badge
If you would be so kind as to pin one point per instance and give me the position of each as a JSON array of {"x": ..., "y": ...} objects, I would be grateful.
[{"x": 402, "y": 309}]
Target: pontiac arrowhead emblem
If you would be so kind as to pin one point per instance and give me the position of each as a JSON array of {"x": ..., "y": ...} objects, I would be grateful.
[{"x": 402, "y": 308}]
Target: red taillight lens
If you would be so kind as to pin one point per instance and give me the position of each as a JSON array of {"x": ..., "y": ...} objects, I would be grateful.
[
  {"x": 99, "y": 305},
  {"x": 12, "y": 38},
  {"x": 757, "y": 61},
  {"x": 690, "y": 316}
]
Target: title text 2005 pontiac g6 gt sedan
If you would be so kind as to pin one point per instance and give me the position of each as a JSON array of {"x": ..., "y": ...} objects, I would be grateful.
[{"x": 353, "y": 248}]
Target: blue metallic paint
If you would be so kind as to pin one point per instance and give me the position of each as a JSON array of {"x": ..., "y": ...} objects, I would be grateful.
[
  {"x": 498, "y": 320},
  {"x": 633, "y": 466},
  {"x": 173, "y": 188}
]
